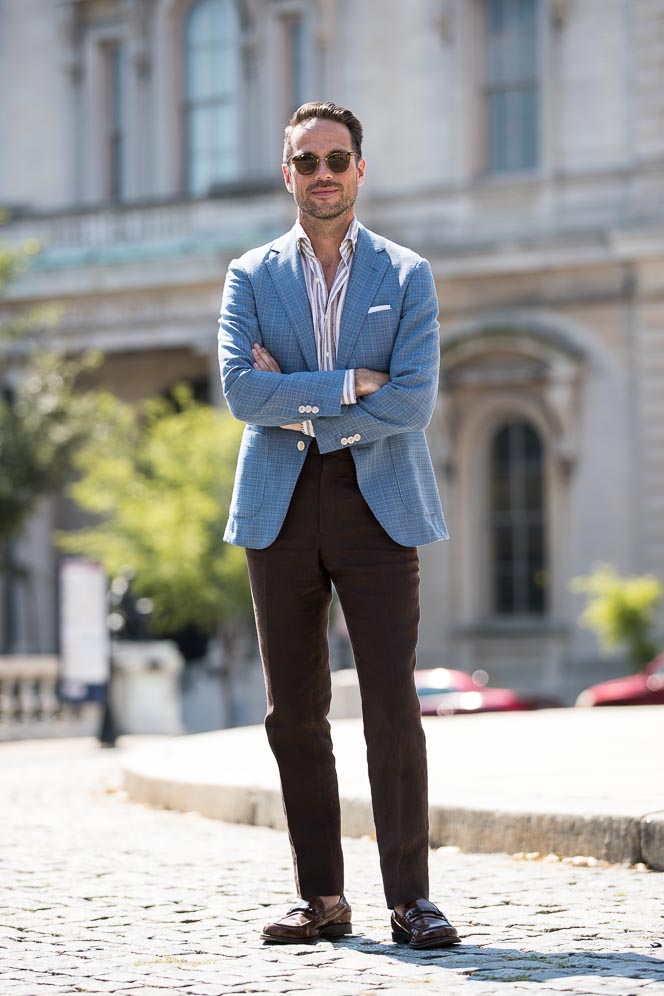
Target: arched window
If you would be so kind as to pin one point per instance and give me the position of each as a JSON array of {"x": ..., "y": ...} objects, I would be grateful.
[
  {"x": 211, "y": 83},
  {"x": 518, "y": 520}
]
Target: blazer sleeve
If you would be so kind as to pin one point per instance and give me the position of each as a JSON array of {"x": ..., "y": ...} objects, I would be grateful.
[
  {"x": 406, "y": 403},
  {"x": 259, "y": 397}
]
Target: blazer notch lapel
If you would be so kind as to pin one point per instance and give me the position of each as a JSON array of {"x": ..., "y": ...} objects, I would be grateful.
[
  {"x": 367, "y": 272},
  {"x": 285, "y": 268}
]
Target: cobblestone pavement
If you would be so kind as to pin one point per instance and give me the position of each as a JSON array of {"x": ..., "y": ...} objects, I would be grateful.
[{"x": 102, "y": 895}]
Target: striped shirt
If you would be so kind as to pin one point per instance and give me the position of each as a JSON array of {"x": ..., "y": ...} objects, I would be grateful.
[{"x": 327, "y": 309}]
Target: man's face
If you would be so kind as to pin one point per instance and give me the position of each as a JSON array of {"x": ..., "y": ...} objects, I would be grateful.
[{"x": 324, "y": 194}]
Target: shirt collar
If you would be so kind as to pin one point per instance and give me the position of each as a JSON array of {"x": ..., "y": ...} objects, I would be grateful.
[{"x": 348, "y": 242}]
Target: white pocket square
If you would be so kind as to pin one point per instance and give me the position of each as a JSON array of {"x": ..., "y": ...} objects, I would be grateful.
[{"x": 379, "y": 307}]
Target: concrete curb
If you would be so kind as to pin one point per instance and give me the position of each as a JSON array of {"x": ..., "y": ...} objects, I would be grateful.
[
  {"x": 615, "y": 839},
  {"x": 652, "y": 841}
]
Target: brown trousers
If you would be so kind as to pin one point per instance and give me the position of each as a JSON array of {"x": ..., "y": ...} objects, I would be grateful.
[{"x": 331, "y": 536}]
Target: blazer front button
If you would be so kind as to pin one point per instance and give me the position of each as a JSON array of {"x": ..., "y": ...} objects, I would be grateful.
[
  {"x": 302, "y": 409},
  {"x": 300, "y": 445}
]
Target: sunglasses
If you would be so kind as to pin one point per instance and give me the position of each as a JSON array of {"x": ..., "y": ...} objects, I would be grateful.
[{"x": 306, "y": 163}]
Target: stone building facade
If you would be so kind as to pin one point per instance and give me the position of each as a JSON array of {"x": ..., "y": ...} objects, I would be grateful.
[{"x": 518, "y": 144}]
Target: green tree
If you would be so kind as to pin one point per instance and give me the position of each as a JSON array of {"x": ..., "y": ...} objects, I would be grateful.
[
  {"x": 43, "y": 419},
  {"x": 159, "y": 478},
  {"x": 43, "y": 422},
  {"x": 621, "y": 610}
]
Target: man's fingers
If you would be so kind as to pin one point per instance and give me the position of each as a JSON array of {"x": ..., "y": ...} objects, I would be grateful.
[
  {"x": 369, "y": 381},
  {"x": 263, "y": 359}
]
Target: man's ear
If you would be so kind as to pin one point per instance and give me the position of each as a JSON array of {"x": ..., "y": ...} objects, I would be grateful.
[
  {"x": 285, "y": 169},
  {"x": 361, "y": 166}
]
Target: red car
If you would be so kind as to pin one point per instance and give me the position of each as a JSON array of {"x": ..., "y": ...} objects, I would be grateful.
[
  {"x": 644, "y": 688},
  {"x": 443, "y": 692}
]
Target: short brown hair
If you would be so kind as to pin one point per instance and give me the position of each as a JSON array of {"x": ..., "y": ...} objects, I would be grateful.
[{"x": 328, "y": 111}]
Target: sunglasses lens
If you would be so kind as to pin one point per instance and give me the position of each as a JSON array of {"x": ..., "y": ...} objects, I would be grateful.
[
  {"x": 305, "y": 164},
  {"x": 339, "y": 161}
]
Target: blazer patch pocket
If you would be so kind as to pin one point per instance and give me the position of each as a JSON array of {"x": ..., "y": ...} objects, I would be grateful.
[{"x": 249, "y": 487}]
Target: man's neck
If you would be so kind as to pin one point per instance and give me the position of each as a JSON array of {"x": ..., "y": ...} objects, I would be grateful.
[{"x": 326, "y": 234}]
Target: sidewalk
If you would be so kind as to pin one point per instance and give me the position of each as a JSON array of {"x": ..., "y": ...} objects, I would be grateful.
[
  {"x": 100, "y": 895},
  {"x": 568, "y": 782}
]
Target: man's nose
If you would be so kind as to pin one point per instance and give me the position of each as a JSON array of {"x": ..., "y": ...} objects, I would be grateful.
[{"x": 323, "y": 167}]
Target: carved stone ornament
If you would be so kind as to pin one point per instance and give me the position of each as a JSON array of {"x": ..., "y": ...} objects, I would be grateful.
[
  {"x": 559, "y": 10},
  {"x": 69, "y": 32},
  {"x": 136, "y": 12},
  {"x": 326, "y": 22},
  {"x": 444, "y": 19},
  {"x": 483, "y": 364}
]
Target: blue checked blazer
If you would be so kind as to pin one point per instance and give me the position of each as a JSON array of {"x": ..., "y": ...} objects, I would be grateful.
[{"x": 389, "y": 323}]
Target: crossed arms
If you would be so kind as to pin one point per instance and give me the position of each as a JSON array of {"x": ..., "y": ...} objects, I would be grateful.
[{"x": 401, "y": 400}]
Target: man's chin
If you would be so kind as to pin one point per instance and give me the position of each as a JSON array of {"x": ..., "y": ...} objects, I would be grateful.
[{"x": 327, "y": 210}]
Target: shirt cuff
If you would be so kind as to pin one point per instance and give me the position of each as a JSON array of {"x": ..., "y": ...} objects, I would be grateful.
[
  {"x": 348, "y": 392},
  {"x": 308, "y": 427}
]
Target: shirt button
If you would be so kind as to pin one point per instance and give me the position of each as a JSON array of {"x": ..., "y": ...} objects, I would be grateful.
[
  {"x": 301, "y": 446},
  {"x": 344, "y": 441},
  {"x": 315, "y": 409},
  {"x": 302, "y": 409}
]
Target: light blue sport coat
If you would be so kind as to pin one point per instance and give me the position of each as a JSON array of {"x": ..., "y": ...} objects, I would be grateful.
[{"x": 265, "y": 301}]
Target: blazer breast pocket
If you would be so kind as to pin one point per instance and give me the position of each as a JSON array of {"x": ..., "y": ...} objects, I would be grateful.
[{"x": 376, "y": 339}]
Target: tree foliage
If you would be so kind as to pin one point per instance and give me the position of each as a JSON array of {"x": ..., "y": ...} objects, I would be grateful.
[
  {"x": 621, "y": 610},
  {"x": 161, "y": 481},
  {"x": 43, "y": 418}
]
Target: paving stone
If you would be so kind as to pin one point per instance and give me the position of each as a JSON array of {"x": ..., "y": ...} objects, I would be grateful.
[{"x": 104, "y": 895}]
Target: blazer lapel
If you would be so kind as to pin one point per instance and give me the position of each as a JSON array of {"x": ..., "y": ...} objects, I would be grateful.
[
  {"x": 366, "y": 274},
  {"x": 285, "y": 267}
]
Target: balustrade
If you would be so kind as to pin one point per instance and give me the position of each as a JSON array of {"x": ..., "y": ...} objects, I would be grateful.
[{"x": 30, "y": 706}]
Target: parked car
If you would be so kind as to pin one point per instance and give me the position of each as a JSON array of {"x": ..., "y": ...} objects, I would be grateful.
[
  {"x": 644, "y": 688},
  {"x": 445, "y": 692}
]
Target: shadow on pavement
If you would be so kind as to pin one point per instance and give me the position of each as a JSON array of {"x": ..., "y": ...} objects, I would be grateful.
[{"x": 513, "y": 965}]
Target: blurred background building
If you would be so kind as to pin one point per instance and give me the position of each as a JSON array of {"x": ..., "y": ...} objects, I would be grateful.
[{"x": 518, "y": 144}]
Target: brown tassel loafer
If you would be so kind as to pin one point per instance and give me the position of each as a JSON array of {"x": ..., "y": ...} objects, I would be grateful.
[
  {"x": 307, "y": 920},
  {"x": 422, "y": 925}
]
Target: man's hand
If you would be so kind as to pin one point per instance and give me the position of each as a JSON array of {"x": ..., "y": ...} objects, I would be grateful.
[
  {"x": 263, "y": 360},
  {"x": 369, "y": 381},
  {"x": 366, "y": 381}
]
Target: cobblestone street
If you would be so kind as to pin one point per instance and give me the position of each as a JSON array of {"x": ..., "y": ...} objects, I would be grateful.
[{"x": 102, "y": 895}]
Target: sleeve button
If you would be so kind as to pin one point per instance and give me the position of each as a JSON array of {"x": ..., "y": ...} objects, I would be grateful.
[
  {"x": 302, "y": 409},
  {"x": 344, "y": 441}
]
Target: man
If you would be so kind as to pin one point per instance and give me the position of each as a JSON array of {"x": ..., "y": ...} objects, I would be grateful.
[{"x": 329, "y": 351}]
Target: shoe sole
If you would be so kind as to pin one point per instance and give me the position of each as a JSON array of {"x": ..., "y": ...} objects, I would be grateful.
[
  {"x": 332, "y": 930},
  {"x": 401, "y": 937}
]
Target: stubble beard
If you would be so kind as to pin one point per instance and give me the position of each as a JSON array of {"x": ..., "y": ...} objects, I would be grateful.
[{"x": 325, "y": 211}]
